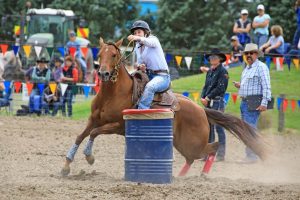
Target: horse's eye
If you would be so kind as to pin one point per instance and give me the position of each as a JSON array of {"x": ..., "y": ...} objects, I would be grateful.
[{"x": 114, "y": 55}]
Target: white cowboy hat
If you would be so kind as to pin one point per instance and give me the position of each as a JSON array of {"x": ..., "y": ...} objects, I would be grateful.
[{"x": 253, "y": 47}]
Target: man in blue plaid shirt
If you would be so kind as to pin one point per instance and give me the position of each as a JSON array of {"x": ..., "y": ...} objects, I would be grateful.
[{"x": 255, "y": 82}]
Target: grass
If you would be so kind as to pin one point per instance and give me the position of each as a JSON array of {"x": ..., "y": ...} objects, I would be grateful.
[{"x": 282, "y": 82}]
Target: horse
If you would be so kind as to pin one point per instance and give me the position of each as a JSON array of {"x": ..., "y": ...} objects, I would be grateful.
[{"x": 191, "y": 125}]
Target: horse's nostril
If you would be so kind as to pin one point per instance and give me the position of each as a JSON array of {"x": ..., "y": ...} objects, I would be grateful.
[{"x": 106, "y": 74}]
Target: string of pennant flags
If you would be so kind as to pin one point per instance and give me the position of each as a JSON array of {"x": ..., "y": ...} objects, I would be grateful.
[{"x": 234, "y": 96}]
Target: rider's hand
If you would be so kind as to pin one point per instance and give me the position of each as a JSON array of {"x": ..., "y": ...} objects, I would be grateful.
[
  {"x": 204, "y": 102},
  {"x": 134, "y": 38}
]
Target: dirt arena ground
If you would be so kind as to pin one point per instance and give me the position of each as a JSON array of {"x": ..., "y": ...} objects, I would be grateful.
[{"x": 32, "y": 152}]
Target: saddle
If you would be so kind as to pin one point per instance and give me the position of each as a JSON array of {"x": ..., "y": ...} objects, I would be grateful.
[{"x": 164, "y": 99}]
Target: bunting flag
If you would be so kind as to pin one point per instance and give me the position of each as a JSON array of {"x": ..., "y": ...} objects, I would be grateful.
[
  {"x": 53, "y": 87},
  {"x": 29, "y": 87},
  {"x": 288, "y": 62},
  {"x": 7, "y": 86},
  {"x": 226, "y": 98},
  {"x": 279, "y": 101},
  {"x": 86, "y": 90},
  {"x": 27, "y": 50},
  {"x": 41, "y": 87},
  {"x": 178, "y": 60},
  {"x": 83, "y": 32},
  {"x": 96, "y": 88},
  {"x": 16, "y": 49},
  {"x": 50, "y": 51},
  {"x": 95, "y": 51},
  {"x": 278, "y": 61},
  {"x": 72, "y": 51},
  {"x": 17, "y": 86},
  {"x": 186, "y": 94},
  {"x": 299, "y": 103},
  {"x": 188, "y": 61},
  {"x": 84, "y": 51},
  {"x": 61, "y": 51},
  {"x": 268, "y": 61},
  {"x": 205, "y": 61},
  {"x": 38, "y": 50},
  {"x": 17, "y": 30},
  {"x": 245, "y": 59},
  {"x": 63, "y": 87},
  {"x": 293, "y": 104},
  {"x": 285, "y": 105},
  {"x": 234, "y": 97},
  {"x": 168, "y": 57},
  {"x": 4, "y": 48},
  {"x": 195, "y": 96},
  {"x": 296, "y": 63},
  {"x": 227, "y": 59}
]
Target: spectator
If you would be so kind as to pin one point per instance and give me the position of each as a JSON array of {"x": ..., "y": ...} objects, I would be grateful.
[
  {"x": 261, "y": 25},
  {"x": 236, "y": 52},
  {"x": 57, "y": 70},
  {"x": 293, "y": 53},
  {"x": 275, "y": 45},
  {"x": 254, "y": 87},
  {"x": 212, "y": 95},
  {"x": 70, "y": 77},
  {"x": 51, "y": 101},
  {"x": 4, "y": 97},
  {"x": 96, "y": 79},
  {"x": 297, "y": 32},
  {"x": 242, "y": 28}
]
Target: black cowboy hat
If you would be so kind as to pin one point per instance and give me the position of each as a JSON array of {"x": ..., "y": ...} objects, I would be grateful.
[
  {"x": 216, "y": 52},
  {"x": 42, "y": 60}
]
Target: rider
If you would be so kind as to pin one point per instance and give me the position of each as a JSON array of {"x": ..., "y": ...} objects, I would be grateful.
[{"x": 150, "y": 59}]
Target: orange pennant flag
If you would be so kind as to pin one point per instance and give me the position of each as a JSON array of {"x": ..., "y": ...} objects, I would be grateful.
[
  {"x": 245, "y": 59},
  {"x": 52, "y": 87},
  {"x": 4, "y": 48},
  {"x": 227, "y": 58},
  {"x": 178, "y": 60},
  {"x": 17, "y": 30},
  {"x": 285, "y": 105},
  {"x": 17, "y": 86},
  {"x": 97, "y": 88},
  {"x": 234, "y": 97},
  {"x": 29, "y": 87},
  {"x": 195, "y": 96},
  {"x": 296, "y": 63},
  {"x": 72, "y": 51},
  {"x": 84, "y": 51},
  {"x": 83, "y": 32},
  {"x": 278, "y": 61},
  {"x": 293, "y": 104},
  {"x": 27, "y": 50}
]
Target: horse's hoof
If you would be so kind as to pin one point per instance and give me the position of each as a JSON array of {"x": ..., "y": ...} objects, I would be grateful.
[
  {"x": 65, "y": 171},
  {"x": 90, "y": 159}
]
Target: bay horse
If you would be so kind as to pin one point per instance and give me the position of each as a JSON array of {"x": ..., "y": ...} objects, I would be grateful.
[{"x": 191, "y": 123}]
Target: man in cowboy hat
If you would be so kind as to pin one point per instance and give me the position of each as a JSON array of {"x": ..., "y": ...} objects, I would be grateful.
[
  {"x": 213, "y": 92},
  {"x": 254, "y": 87}
]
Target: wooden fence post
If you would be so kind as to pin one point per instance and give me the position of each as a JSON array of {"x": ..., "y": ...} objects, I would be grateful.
[{"x": 281, "y": 119}]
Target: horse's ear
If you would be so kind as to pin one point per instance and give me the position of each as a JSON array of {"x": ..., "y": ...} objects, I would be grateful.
[
  {"x": 101, "y": 42},
  {"x": 119, "y": 43}
]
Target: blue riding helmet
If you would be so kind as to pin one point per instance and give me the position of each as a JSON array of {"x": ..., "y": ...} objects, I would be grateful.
[{"x": 140, "y": 24}]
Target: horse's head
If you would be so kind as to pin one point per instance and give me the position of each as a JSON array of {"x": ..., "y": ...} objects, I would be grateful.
[{"x": 109, "y": 60}]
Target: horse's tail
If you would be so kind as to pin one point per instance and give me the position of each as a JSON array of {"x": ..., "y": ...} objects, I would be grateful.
[{"x": 240, "y": 129}]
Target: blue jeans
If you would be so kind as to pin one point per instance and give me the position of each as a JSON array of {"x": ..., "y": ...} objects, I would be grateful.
[
  {"x": 55, "y": 107},
  {"x": 218, "y": 105},
  {"x": 35, "y": 101},
  {"x": 67, "y": 99},
  {"x": 296, "y": 37},
  {"x": 158, "y": 83},
  {"x": 294, "y": 53},
  {"x": 260, "y": 39},
  {"x": 251, "y": 117}
]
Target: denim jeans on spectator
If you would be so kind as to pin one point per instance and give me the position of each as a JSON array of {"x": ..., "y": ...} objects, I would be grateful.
[
  {"x": 158, "y": 83},
  {"x": 296, "y": 38},
  {"x": 55, "y": 107},
  {"x": 218, "y": 105},
  {"x": 294, "y": 53},
  {"x": 67, "y": 99},
  {"x": 260, "y": 39},
  {"x": 251, "y": 117}
]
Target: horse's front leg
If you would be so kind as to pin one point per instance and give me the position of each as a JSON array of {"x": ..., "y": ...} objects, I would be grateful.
[{"x": 110, "y": 128}]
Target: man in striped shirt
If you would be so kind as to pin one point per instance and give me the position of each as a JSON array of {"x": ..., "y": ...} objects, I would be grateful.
[{"x": 255, "y": 84}]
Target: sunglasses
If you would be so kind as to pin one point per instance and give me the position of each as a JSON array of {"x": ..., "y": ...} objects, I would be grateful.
[{"x": 250, "y": 53}]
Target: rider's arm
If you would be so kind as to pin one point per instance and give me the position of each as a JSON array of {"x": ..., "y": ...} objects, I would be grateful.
[{"x": 150, "y": 41}]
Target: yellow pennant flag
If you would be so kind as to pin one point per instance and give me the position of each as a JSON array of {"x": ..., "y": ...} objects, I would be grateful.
[
  {"x": 296, "y": 63},
  {"x": 17, "y": 30},
  {"x": 178, "y": 60},
  {"x": 83, "y": 32},
  {"x": 245, "y": 59},
  {"x": 27, "y": 50},
  {"x": 52, "y": 87},
  {"x": 195, "y": 96}
]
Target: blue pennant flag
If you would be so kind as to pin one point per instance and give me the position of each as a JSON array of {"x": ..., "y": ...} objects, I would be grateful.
[
  {"x": 288, "y": 62},
  {"x": 186, "y": 94},
  {"x": 41, "y": 87},
  {"x": 95, "y": 51},
  {"x": 279, "y": 101},
  {"x": 86, "y": 90},
  {"x": 299, "y": 103},
  {"x": 61, "y": 51},
  {"x": 205, "y": 61},
  {"x": 7, "y": 86},
  {"x": 226, "y": 98},
  {"x": 268, "y": 61},
  {"x": 168, "y": 58},
  {"x": 15, "y": 49}
]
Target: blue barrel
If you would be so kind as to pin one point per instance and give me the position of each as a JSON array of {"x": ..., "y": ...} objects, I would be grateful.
[{"x": 149, "y": 145}]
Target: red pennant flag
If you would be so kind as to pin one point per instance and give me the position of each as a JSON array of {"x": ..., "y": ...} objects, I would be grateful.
[
  {"x": 293, "y": 104},
  {"x": 285, "y": 105},
  {"x": 29, "y": 87},
  {"x": 72, "y": 51},
  {"x": 4, "y": 48},
  {"x": 97, "y": 88},
  {"x": 84, "y": 51},
  {"x": 227, "y": 58},
  {"x": 17, "y": 86},
  {"x": 234, "y": 97}
]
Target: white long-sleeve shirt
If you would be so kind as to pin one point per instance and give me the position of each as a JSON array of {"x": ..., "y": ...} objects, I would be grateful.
[{"x": 151, "y": 53}]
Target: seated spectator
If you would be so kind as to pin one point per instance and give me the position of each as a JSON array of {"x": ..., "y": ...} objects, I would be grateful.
[
  {"x": 51, "y": 101},
  {"x": 57, "y": 70},
  {"x": 242, "y": 28},
  {"x": 236, "y": 52},
  {"x": 275, "y": 45},
  {"x": 293, "y": 53}
]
